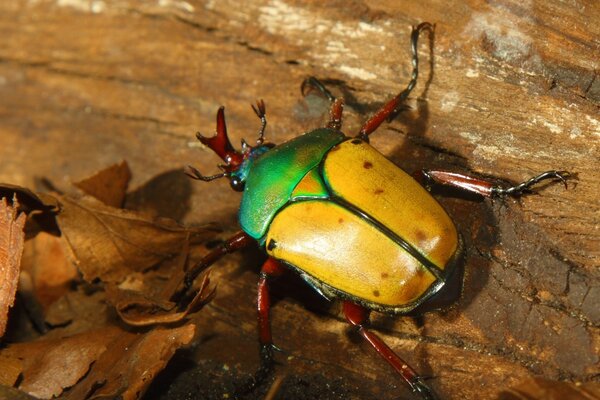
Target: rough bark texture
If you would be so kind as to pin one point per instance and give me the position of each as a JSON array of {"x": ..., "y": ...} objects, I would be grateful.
[{"x": 512, "y": 89}]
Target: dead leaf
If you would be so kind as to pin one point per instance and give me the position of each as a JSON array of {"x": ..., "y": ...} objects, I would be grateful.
[
  {"x": 147, "y": 300},
  {"x": 10, "y": 369},
  {"x": 109, "y": 243},
  {"x": 130, "y": 364},
  {"x": 78, "y": 311},
  {"x": 136, "y": 309},
  {"x": 12, "y": 237},
  {"x": 40, "y": 208},
  {"x": 9, "y": 393},
  {"x": 108, "y": 185},
  {"x": 52, "y": 273},
  {"x": 62, "y": 362},
  {"x": 545, "y": 389}
]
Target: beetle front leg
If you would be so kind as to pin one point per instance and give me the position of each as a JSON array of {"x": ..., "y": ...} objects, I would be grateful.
[
  {"x": 485, "y": 187},
  {"x": 391, "y": 108},
  {"x": 234, "y": 243},
  {"x": 337, "y": 104},
  {"x": 359, "y": 316}
]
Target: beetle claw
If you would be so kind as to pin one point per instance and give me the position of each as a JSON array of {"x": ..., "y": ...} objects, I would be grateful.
[
  {"x": 418, "y": 386},
  {"x": 524, "y": 187},
  {"x": 265, "y": 369}
]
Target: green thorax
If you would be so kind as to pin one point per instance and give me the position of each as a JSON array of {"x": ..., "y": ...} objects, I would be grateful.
[{"x": 274, "y": 175}]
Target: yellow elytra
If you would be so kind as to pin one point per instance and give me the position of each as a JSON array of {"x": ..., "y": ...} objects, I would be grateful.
[{"x": 353, "y": 242}]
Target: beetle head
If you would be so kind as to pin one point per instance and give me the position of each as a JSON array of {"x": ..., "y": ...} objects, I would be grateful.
[{"x": 237, "y": 164}]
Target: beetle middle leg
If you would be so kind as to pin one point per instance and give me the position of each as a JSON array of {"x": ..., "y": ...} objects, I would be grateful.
[
  {"x": 234, "y": 243},
  {"x": 485, "y": 187},
  {"x": 359, "y": 317}
]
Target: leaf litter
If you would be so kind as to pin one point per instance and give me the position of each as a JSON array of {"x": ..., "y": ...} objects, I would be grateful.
[{"x": 99, "y": 287}]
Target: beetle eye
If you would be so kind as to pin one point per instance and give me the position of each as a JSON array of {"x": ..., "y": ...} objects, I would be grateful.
[{"x": 237, "y": 184}]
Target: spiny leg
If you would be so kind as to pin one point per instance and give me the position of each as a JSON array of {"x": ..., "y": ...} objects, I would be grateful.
[
  {"x": 271, "y": 268},
  {"x": 337, "y": 104},
  {"x": 335, "y": 114},
  {"x": 359, "y": 317},
  {"x": 394, "y": 105},
  {"x": 485, "y": 187}
]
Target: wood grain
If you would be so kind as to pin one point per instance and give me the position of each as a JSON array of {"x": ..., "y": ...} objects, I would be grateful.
[{"x": 509, "y": 89}]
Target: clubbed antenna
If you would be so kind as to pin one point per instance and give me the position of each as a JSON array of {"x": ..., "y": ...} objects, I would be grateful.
[
  {"x": 260, "y": 112},
  {"x": 221, "y": 145}
]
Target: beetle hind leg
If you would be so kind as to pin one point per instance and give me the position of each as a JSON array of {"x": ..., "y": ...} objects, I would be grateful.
[{"x": 359, "y": 317}]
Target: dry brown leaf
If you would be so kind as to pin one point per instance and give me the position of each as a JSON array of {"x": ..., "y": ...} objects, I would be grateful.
[
  {"x": 147, "y": 299},
  {"x": 9, "y": 393},
  {"x": 40, "y": 208},
  {"x": 112, "y": 361},
  {"x": 545, "y": 389},
  {"x": 12, "y": 237},
  {"x": 61, "y": 363},
  {"x": 10, "y": 369},
  {"x": 136, "y": 309},
  {"x": 52, "y": 273},
  {"x": 108, "y": 185},
  {"x": 109, "y": 243},
  {"x": 77, "y": 312},
  {"x": 130, "y": 364}
]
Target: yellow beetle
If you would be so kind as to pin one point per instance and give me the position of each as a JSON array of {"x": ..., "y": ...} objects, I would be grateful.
[{"x": 350, "y": 222}]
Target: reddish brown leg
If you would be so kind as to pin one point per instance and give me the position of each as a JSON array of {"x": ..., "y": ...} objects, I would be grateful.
[
  {"x": 393, "y": 106},
  {"x": 234, "y": 243},
  {"x": 337, "y": 105},
  {"x": 270, "y": 268},
  {"x": 335, "y": 114},
  {"x": 359, "y": 316},
  {"x": 485, "y": 187}
]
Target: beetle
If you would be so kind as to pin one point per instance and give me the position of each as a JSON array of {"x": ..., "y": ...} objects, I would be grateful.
[{"x": 355, "y": 226}]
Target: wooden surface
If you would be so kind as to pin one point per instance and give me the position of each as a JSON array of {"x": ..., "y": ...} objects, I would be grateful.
[{"x": 514, "y": 90}]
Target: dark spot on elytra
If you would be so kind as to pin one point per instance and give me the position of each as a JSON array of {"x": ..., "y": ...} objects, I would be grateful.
[
  {"x": 378, "y": 191},
  {"x": 384, "y": 275},
  {"x": 368, "y": 165},
  {"x": 271, "y": 245},
  {"x": 356, "y": 141},
  {"x": 420, "y": 235},
  {"x": 341, "y": 220},
  {"x": 376, "y": 293}
]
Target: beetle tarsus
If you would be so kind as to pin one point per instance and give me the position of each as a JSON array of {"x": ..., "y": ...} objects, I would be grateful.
[
  {"x": 519, "y": 189},
  {"x": 414, "y": 40},
  {"x": 392, "y": 107},
  {"x": 313, "y": 83},
  {"x": 266, "y": 368},
  {"x": 421, "y": 388}
]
